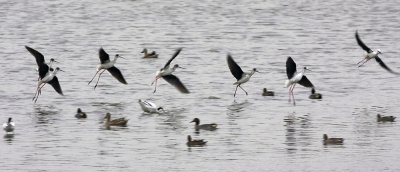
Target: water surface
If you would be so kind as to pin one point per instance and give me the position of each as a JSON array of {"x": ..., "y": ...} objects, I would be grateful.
[{"x": 255, "y": 133}]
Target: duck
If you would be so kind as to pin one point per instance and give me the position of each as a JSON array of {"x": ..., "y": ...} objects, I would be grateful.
[
  {"x": 210, "y": 127},
  {"x": 191, "y": 142},
  {"x": 79, "y": 114},
  {"x": 150, "y": 107},
  {"x": 332, "y": 140},
  {"x": 314, "y": 95},
  {"x": 153, "y": 54},
  {"x": 9, "y": 126},
  {"x": 115, "y": 122},
  {"x": 385, "y": 118},
  {"x": 267, "y": 93}
]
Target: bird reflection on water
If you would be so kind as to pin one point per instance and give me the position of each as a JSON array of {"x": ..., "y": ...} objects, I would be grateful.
[
  {"x": 45, "y": 114},
  {"x": 236, "y": 107},
  {"x": 298, "y": 132},
  {"x": 8, "y": 137}
]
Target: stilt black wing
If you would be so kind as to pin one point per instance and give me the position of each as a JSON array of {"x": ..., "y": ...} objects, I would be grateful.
[
  {"x": 173, "y": 80},
  {"x": 117, "y": 74},
  {"x": 236, "y": 71},
  {"x": 305, "y": 82},
  {"x": 361, "y": 44},
  {"x": 173, "y": 57},
  {"x": 56, "y": 85},
  {"x": 38, "y": 56},
  {"x": 290, "y": 67},
  {"x": 379, "y": 60},
  {"x": 104, "y": 57}
]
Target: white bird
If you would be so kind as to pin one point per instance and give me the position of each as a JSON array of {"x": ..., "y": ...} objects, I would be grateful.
[
  {"x": 106, "y": 64},
  {"x": 166, "y": 74},
  {"x": 371, "y": 55},
  {"x": 242, "y": 77},
  {"x": 46, "y": 74},
  {"x": 9, "y": 126},
  {"x": 295, "y": 77},
  {"x": 150, "y": 107}
]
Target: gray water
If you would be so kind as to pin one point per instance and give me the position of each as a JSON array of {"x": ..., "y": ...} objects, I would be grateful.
[{"x": 255, "y": 133}]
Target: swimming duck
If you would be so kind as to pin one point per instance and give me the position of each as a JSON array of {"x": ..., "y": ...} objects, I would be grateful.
[
  {"x": 79, "y": 114},
  {"x": 9, "y": 126},
  {"x": 197, "y": 126},
  {"x": 153, "y": 54},
  {"x": 115, "y": 122},
  {"x": 385, "y": 118},
  {"x": 149, "y": 107},
  {"x": 332, "y": 140},
  {"x": 315, "y": 95},
  {"x": 191, "y": 142},
  {"x": 267, "y": 93}
]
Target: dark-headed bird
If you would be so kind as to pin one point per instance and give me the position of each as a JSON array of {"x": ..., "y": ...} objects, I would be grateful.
[
  {"x": 267, "y": 93},
  {"x": 79, "y": 114},
  {"x": 315, "y": 95},
  {"x": 198, "y": 126},
  {"x": 9, "y": 126},
  {"x": 332, "y": 141}
]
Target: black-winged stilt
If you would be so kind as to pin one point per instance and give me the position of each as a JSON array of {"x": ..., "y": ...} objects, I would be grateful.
[
  {"x": 242, "y": 77},
  {"x": 106, "y": 64},
  {"x": 46, "y": 74},
  {"x": 295, "y": 77},
  {"x": 166, "y": 74},
  {"x": 371, "y": 55}
]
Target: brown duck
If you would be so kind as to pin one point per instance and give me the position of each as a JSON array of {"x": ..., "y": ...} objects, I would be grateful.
[
  {"x": 332, "y": 140},
  {"x": 115, "y": 122},
  {"x": 153, "y": 54},
  {"x": 191, "y": 142},
  {"x": 267, "y": 93},
  {"x": 197, "y": 126},
  {"x": 385, "y": 118}
]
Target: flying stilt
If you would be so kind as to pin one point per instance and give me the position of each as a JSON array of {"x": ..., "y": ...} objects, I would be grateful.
[
  {"x": 294, "y": 77},
  {"x": 371, "y": 55},
  {"x": 242, "y": 77},
  {"x": 106, "y": 64},
  {"x": 46, "y": 75},
  {"x": 40, "y": 59},
  {"x": 166, "y": 74}
]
